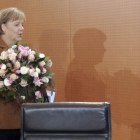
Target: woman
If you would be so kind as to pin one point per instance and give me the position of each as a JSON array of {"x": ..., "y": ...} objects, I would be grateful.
[{"x": 11, "y": 30}]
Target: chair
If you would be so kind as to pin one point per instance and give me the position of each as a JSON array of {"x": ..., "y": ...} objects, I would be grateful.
[{"x": 66, "y": 121}]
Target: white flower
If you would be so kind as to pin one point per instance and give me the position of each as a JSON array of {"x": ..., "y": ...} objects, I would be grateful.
[
  {"x": 44, "y": 71},
  {"x": 31, "y": 57},
  {"x": 4, "y": 55},
  {"x": 23, "y": 97},
  {"x": 6, "y": 82},
  {"x": 35, "y": 74},
  {"x": 45, "y": 79},
  {"x": 37, "y": 70},
  {"x": 3, "y": 67},
  {"x": 49, "y": 63},
  {"x": 13, "y": 77},
  {"x": 41, "y": 55},
  {"x": 17, "y": 64},
  {"x": 31, "y": 52},
  {"x": 12, "y": 57},
  {"x": 14, "y": 46},
  {"x": 42, "y": 63},
  {"x": 2, "y": 72},
  {"x": 24, "y": 70}
]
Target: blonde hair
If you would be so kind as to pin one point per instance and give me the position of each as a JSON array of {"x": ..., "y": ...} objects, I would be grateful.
[{"x": 8, "y": 14}]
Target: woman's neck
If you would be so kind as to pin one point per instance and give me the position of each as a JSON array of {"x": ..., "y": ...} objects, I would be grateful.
[{"x": 8, "y": 42}]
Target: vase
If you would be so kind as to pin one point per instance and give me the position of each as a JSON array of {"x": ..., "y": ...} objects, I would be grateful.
[{"x": 51, "y": 96}]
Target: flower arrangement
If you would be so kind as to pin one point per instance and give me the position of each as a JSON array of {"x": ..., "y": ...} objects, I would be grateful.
[{"x": 25, "y": 75}]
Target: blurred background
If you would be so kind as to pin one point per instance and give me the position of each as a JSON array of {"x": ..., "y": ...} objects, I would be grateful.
[{"x": 95, "y": 49}]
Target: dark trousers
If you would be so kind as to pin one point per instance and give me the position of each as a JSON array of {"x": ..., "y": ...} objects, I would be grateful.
[{"x": 9, "y": 134}]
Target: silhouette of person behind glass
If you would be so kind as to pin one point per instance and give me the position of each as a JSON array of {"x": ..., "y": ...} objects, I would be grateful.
[
  {"x": 83, "y": 82},
  {"x": 123, "y": 93}
]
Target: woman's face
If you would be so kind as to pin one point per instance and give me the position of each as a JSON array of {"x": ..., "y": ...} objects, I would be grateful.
[{"x": 13, "y": 30}]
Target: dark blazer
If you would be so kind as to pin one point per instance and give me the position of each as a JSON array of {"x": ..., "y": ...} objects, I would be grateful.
[{"x": 9, "y": 112}]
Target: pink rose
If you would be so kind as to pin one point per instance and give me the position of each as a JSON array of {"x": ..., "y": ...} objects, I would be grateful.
[
  {"x": 44, "y": 71},
  {"x": 38, "y": 94},
  {"x": 26, "y": 48},
  {"x": 17, "y": 65},
  {"x": 24, "y": 53},
  {"x": 23, "y": 83},
  {"x": 20, "y": 55},
  {"x": 10, "y": 51},
  {"x": 36, "y": 78},
  {"x": 21, "y": 48},
  {"x": 42, "y": 63},
  {"x": 1, "y": 65},
  {"x": 49, "y": 63},
  {"x": 1, "y": 84},
  {"x": 31, "y": 57},
  {"x": 31, "y": 72},
  {"x": 18, "y": 71},
  {"x": 37, "y": 81},
  {"x": 10, "y": 81}
]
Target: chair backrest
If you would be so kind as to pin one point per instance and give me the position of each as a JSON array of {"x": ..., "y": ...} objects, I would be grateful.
[{"x": 66, "y": 121}]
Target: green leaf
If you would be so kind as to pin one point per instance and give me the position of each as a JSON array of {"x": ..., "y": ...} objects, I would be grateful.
[
  {"x": 2, "y": 89},
  {"x": 3, "y": 94},
  {"x": 9, "y": 94},
  {"x": 51, "y": 74},
  {"x": 15, "y": 97},
  {"x": 19, "y": 42},
  {"x": 47, "y": 58},
  {"x": 49, "y": 77},
  {"x": 48, "y": 71},
  {"x": 25, "y": 77},
  {"x": 40, "y": 100},
  {"x": 23, "y": 44},
  {"x": 40, "y": 59}
]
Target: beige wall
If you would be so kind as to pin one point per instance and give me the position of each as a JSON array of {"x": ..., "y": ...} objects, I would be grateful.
[{"x": 101, "y": 63}]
